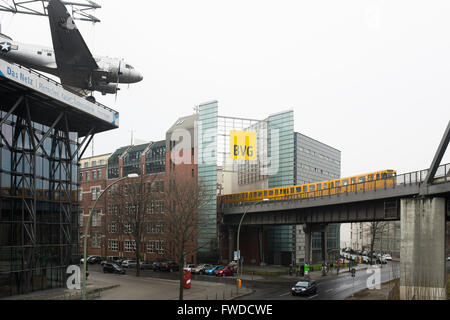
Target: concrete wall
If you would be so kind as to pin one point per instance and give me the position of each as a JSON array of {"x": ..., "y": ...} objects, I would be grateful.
[{"x": 422, "y": 265}]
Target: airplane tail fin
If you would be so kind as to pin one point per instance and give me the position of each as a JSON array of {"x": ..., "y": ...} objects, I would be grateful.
[{"x": 5, "y": 37}]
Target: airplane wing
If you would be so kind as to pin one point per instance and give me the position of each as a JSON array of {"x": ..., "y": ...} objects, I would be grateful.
[{"x": 73, "y": 58}]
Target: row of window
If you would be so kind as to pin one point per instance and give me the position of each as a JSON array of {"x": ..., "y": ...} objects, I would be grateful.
[
  {"x": 86, "y": 176},
  {"x": 93, "y": 163},
  {"x": 152, "y": 246},
  {"x": 319, "y": 155}
]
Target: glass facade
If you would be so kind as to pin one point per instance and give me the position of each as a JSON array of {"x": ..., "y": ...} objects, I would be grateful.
[
  {"x": 281, "y": 239},
  {"x": 155, "y": 159},
  {"x": 38, "y": 211},
  {"x": 207, "y": 173}
]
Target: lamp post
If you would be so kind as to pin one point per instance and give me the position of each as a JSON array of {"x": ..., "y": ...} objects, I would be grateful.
[
  {"x": 83, "y": 284},
  {"x": 239, "y": 231}
]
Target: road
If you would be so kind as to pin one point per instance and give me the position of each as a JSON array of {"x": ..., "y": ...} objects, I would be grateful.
[{"x": 329, "y": 288}]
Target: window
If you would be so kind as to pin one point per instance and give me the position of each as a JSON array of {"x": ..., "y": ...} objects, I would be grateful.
[
  {"x": 86, "y": 164},
  {"x": 80, "y": 194},
  {"x": 102, "y": 162},
  {"x": 127, "y": 228},
  {"x": 312, "y": 188},
  {"x": 130, "y": 246},
  {"x": 39, "y": 52},
  {"x": 94, "y": 163},
  {"x": 345, "y": 182},
  {"x": 113, "y": 245},
  {"x": 305, "y": 189},
  {"x": 49, "y": 54},
  {"x": 81, "y": 176},
  {"x": 113, "y": 209},
  {"x": 338, "y": 184},
  {"x": 80, "y": 217},
  {"x": 353, "y": 180},
  {"x": 94, "y": 175},
  {"x": 155, "y": 227},
  {"x": 331, "y": 185},
  {"x": 319, "y": 187},
  {"x": 87, "y": 176},
  {"x": 96, "y": 240},
  {"x": 299, "y": 189},
  {"x": 95, "y": 193},
  {"x": 361, "y": 179},
  {"x": 112, "y": 228},
  {"x": 97, "y": 218},
  {"x": 99, "y": 174}
]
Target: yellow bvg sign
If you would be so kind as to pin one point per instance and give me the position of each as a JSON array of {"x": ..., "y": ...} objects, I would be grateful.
[{"x": 243, "y": 145}]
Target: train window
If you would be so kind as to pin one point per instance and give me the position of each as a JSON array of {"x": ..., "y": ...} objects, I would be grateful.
[
  {"x": 389, "y": 175},
  {"x": 305, "y": 189},
  {"x": 338, "y": 184},
  {"x": 312, "y": 188},
  {"x": 345, "y": 182},
  {"x": 383, "y": 176},
  {"x": 254, "y": 194},
  {"x": 292, "y": 190},
  {"x": 299, "y": 189},
  {"x": 319, "y": 187},
  {"x": 271, "y": 193},
  {"x": 353, "y": 180},
  {"x": 285, "y": 191},
  {"x": 245, "y": 195},
  {"x": 325, "y": 186},
  {"x": 331, "y": 185},
  {"x": 276, "y": 192},
  {"x": 362, "y": 179},
  {"x": 371, "y": 177},
  {"x": 259, "y": 194},
  {"x": 378, "y": 176}
]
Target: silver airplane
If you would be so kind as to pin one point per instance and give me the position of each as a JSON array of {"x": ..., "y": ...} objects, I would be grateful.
[{"x": 70, "y": 58}]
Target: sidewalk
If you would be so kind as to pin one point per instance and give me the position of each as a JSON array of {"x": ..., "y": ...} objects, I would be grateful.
[
  {"x": 200, "y": 290},
  {"x": 94, "y": 289}
]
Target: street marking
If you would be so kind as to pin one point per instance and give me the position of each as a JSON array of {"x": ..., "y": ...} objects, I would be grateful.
[
  {"x": 313, "y": 296},
  {"x": 329, "y": 290},
  {"x": 284, "y": 294}
]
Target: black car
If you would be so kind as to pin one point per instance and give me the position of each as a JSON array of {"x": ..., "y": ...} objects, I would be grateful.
[
  {"x": 169, "y": 266},
  {"x": 113, "y": 268},
  {"x": 94, "y": 260},
  {"x": 304, "y": 287},
  {"x": 146, "y": 265},
  {"x": 157, "y": 266}
]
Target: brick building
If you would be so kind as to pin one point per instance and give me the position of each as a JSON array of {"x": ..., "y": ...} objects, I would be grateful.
[{"x": 153, "y": 163}]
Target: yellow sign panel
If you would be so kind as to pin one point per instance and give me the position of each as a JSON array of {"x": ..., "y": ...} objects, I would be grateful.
[{"x": 243, "y": 145}]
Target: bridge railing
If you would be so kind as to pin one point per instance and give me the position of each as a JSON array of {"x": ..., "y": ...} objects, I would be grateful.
[{"x": 416, "y": 177}]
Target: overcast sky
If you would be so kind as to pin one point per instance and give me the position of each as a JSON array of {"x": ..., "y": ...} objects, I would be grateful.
[{"x": 370, "y": 78}]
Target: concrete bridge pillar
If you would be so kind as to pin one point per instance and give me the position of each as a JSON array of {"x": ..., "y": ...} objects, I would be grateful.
[
  {"x": 422, "y": 254},
  {"x": 261, "y": 245},
  {"x": 308, "y": 243}
]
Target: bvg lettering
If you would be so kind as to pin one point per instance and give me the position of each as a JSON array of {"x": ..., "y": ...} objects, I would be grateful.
[{"x": 243, "y": 151}]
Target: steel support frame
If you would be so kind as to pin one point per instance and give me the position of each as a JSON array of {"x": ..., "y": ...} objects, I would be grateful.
[{"x": 24, "y": 148}]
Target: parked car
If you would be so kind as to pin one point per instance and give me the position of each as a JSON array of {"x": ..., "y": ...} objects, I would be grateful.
[
  {"x": 94, "y": 259},
  {"x": 113, "y": 268},
  {"x": 224, "y": 271},
  {"x": 365, "y": 259},
  {"x": 157, "y": 266},
  {"x": 388, "y": 257},
  {"x": 189, "y": 267},
  {"x": 146, "y": 265},
  {"x": 211, "y": 271},
  {"x": 304, "y": 287},
  {"x": 381, "y": 259},
  {"x": 169, "y": 266},
  {"x": 200, "y": 269},
  {"x": 129, "y": 263}
]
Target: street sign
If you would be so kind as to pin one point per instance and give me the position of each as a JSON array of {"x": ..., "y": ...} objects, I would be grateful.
[{"x": 237, "y": 255}]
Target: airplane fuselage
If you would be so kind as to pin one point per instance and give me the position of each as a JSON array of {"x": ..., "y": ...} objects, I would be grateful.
[{"x": 43, "y": 59}]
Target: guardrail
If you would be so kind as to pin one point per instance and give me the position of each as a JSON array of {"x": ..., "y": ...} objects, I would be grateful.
[{"x": 415, "y": 177}]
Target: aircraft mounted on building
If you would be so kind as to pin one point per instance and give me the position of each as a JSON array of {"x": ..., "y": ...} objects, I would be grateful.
[{"x": 70, "y": 58}]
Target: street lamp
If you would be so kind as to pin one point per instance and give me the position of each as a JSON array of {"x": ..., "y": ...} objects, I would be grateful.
[
  {"x": 83, "y": 285},
  {"x": 239, "y": 231}
]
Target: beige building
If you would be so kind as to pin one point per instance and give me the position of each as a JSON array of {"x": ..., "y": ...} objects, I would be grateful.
[{"x": 388, "y": 240}]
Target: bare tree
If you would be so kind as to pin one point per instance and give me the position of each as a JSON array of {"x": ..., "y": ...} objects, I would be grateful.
[
  {"x": 376, "y": 230},
  {"x": 133, "y": 204},
  {"x": 183, "y": 198}
]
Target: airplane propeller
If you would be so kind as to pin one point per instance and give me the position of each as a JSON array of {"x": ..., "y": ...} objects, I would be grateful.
[{"x": 118, "y": 78}]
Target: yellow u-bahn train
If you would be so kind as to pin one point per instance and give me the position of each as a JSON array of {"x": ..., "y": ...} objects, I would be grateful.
[{"x": 370, "y": 181}]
